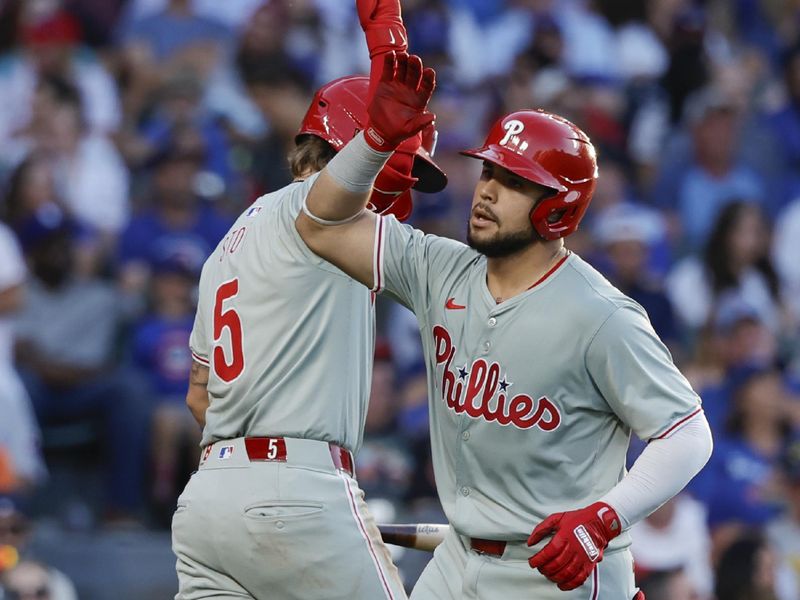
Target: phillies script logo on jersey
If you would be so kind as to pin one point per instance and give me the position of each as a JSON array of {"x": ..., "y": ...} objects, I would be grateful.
[{"x": 479, "y": 391}]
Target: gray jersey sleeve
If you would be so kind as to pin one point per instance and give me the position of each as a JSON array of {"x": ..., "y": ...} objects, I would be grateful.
[
  {"x": 634, "y": 372},
  {"x": 199, "y": 339},
  {"x": 405, "y": 257}
]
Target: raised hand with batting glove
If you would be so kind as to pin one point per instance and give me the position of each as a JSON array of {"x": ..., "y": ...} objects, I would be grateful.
[
  {"x": 579, "y": 539},
  {"x": 385, "y": 33},
  {"x": 399, "y": 108}
]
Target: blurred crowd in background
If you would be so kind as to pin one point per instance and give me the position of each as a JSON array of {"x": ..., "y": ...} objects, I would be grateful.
[{"x": 133, "y": 132}]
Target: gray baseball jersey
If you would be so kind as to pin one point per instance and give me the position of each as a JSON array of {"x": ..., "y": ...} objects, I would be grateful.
[
  {"x": 287, "y": 336},
  {"x": 532, "y": 401}
]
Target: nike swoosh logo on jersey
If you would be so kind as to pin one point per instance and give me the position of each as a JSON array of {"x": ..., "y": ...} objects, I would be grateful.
[{"x": 451, "y": 304}]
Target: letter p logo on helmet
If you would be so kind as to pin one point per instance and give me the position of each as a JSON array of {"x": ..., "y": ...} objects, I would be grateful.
[{"x": 513, "y": 127}]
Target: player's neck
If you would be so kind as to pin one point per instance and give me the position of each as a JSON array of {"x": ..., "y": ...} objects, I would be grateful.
[{"x": 509, "y": 276}]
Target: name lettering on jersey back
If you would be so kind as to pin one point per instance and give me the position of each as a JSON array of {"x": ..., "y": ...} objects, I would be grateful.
[
  {"x": 232, "y": 242},
  {"x": 480, "y": 392}
]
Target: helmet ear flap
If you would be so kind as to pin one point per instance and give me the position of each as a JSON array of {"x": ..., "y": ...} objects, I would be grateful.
[{"x": 555, "y": 217}]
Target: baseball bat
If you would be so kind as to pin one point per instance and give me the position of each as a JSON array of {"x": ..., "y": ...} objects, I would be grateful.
[{"x": 419, "y": 536}]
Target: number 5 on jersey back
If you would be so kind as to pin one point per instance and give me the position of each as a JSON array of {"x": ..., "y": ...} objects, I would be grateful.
[{"x": 227, "y": 319}]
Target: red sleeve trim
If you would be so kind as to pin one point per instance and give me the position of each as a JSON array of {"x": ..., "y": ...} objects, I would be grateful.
[
  {"x": 200, "y": 359},
  {"x": 678, "y": 424}
]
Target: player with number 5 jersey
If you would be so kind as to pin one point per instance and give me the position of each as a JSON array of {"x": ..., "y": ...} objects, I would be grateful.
[{"x": 282, "y": 346}]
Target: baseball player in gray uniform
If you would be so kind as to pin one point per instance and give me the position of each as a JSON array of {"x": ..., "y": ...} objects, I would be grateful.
[
  {"x": 538, "y": 368},
  {"x": 282, "y": 346}
]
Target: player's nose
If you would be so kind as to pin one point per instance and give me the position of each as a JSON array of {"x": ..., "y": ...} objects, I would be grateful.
[{"x": 488, "y": 190}]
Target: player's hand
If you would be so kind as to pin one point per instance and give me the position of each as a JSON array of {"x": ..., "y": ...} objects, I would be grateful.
[
  {"x": 579, "y": 538},
  {"x": 399, "y": 108},
  {"x": 382, "y": 23}
]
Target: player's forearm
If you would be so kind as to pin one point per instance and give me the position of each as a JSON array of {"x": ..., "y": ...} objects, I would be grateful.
[
  {"x": 197, "y": 395},
  {"x": 661, "y": 471},
  {"x": 333, "y": 222},
  {"x": 343, "y": 188}
]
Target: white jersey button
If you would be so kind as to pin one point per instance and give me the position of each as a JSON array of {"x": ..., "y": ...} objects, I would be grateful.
[
  {"x": 279, "y": 524},
  {"x": 486, "y": 347},
  {"x": 492, "y": 322},
  {"x": 465, "y": 491},
  {"x": 465, "y": 436}
]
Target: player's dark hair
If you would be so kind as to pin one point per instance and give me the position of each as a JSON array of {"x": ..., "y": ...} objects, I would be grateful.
[{"x": 311, "y": 153}]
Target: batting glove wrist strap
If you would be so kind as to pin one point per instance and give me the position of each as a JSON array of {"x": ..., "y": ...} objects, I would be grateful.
[{"x": 579, "y": 539}]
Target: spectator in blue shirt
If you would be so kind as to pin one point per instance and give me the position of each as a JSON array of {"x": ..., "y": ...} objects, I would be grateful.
[
  {"x": 177, "y": 223},
  {"x": 161, "y": 353},
  {"x": 694, "y": 191},
  {"x": 741, "y": 484}
]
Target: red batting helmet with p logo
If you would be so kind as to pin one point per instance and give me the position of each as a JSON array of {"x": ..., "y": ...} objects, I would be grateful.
[
  {"x": 549, "y": 150},
  {"x": 339, "y": 111}
]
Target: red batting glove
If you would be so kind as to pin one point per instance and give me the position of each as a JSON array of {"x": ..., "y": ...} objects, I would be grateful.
[
  {"x": 579, "y": 538},
  {"x": 399, "y": 108},
  {"x": 382, "y": 23}
]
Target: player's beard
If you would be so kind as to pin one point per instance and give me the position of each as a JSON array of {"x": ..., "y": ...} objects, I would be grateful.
[{"x": 502, "y": 245}]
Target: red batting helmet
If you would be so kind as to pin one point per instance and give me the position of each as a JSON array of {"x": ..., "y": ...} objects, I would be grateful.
[
  {"x": 339, "y": 111},
  {"x": 549, "y": 150}
]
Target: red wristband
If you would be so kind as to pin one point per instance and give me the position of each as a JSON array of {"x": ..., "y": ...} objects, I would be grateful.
[{"x": 385, "y": 37}]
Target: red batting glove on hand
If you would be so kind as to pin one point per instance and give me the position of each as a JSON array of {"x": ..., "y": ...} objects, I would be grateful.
[
  {"x": 383, "y": 25},
  {"x": 579, "y": 538},
  {"x": 398, "y": 109}
]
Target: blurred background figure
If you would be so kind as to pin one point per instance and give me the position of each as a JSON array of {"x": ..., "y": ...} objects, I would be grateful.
[
  {"x": 69, "y": 366},
  {"x": 741, "y": 487},
  {"x": 160, "y": 348},
  {"x": 280, "y": 92},
  {"x": 27, "y": 580},
  {"x": 49, "y": 44},
  {"x": 747, "y": 570},
  {"x": 175, "y": 221},
  {"x": 735, "y": 264},
  {"x": 384, "y": 464},
  {"x": 15, "y": 533},
  {"x": 21, "y": 463},
  {"x": 629, "y": 236},
  {"x": 672, "y": 551},
  {"x": 667, "y": 585}
]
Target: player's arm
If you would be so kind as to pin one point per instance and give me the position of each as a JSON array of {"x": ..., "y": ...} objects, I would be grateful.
[
  {"x": 662, "y": 470},
  {"x": 334, "y": 222},
  {"x": 635, "y": 374},
  {"x": 197, "y": 395}
]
